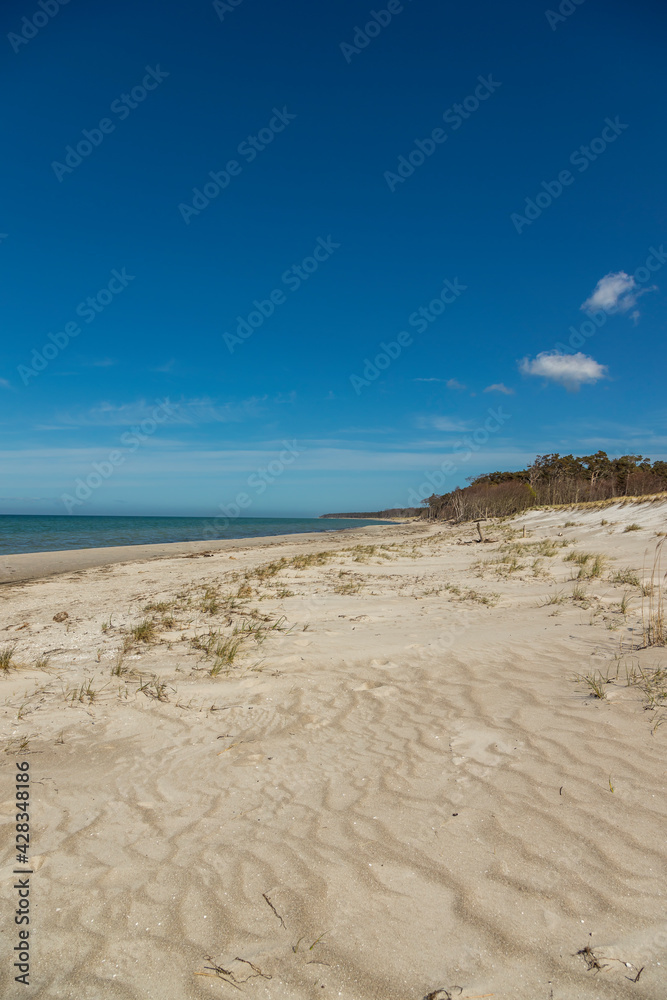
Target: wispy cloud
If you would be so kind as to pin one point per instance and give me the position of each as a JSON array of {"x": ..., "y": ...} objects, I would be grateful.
[
  {"x": 209, "y": 465},
  {"x": 450, "y": 425},
  {"x": 451, "y": 383},
  {"x": 617, "y": 292},
  {"x": 166, "y": 367},
  {"x": 4, "y": 383},
  {"x": 24, "y": 499},
  {"x": 499, "y": 387},
  {"x": 101, "y": 363},
  {"x": 185, "y": 411},
  {"x": 569, "y": 370}
]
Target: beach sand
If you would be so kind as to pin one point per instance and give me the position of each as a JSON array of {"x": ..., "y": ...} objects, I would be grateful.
[{"x": 397, "y": 782}]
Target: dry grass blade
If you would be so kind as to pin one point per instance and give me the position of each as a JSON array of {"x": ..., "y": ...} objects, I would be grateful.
[
  {"x": 282, "y": 922},
  {"x": 215, "y": 971},
  {"x": 117, "y": 670},
  {"x": 85, "y": 693},
  {"x": 558, "y": 598},
  {"x": 592, "y": 962},
  {"x": 155, "y": 688},
  {"x": 18, "y": 745}
]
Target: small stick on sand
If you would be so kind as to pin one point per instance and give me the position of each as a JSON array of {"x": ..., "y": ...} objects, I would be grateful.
[{"x": 274, "y": 909}]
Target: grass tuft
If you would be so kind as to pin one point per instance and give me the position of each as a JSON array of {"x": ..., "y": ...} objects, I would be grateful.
[
  {"x": 654, "y": 618},
  {"x": 155, "y": 688},
  {"x": 6, "y": 656},
  {"x": 558, "y": 598},
  {"x": 626, "y": 577},
  {"x": 144, "y": 631},
  {"x": 596, "y": 682},
  {"x": 651, "y": 681},
  {"x": 211, "y": 601},
  {"x": 160, "y": 606}
]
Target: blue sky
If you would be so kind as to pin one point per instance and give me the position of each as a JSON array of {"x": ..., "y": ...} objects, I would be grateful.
[{"x": 259, "y": 198}]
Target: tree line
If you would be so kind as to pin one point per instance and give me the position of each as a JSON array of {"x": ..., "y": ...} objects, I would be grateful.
[{"x": 551, "y": 479}]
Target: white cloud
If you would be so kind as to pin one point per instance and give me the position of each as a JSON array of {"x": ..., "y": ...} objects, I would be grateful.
[
  {"x": 428, "y": 380},
  {"x": 617, "y": 292},
  {"x": 4, "y": 383},
  {"x": 569, "y": 370},
  {"x": 499, "y": 387}
]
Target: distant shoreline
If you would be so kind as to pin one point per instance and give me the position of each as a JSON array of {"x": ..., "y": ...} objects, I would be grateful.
[
  {"x": 29, "y": 534},
  {"x": 390, "y": 514}
]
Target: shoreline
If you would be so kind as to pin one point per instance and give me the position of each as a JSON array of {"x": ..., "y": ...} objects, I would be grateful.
[{"x": 21, "y": 567}]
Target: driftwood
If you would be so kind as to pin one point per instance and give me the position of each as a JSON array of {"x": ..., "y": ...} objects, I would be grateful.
[{"x": 481, "y": 536}]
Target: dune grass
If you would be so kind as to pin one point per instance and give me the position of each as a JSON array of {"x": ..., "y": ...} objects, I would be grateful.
[
  {"x": 626, "y": 577},
  {"x": 154, "y": 688},
  {"x": 654, "y": 618},
  {"x": 591, "y": 564},
  {"x": 557, "y": 598},
  {"x": 6, "y": 657},
  {"x": 651, "y": 681},
  {"x": 596, "y": 684},
  {"x": 144, "y": 631}
]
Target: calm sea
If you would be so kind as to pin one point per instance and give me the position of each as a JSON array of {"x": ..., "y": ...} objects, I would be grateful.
[{"x": 37, "y": 533}]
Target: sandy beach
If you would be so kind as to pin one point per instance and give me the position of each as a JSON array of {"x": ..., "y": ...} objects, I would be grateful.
[{"x": 445, "y": 807}]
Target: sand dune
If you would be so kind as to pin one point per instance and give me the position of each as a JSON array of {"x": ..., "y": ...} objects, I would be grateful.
[{"x": 402, "y": 788}]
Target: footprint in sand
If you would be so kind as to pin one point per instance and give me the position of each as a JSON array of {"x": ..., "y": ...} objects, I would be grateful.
[
  {"x": 481, "y": 746},
  {"x": 379, "y": 689}
]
